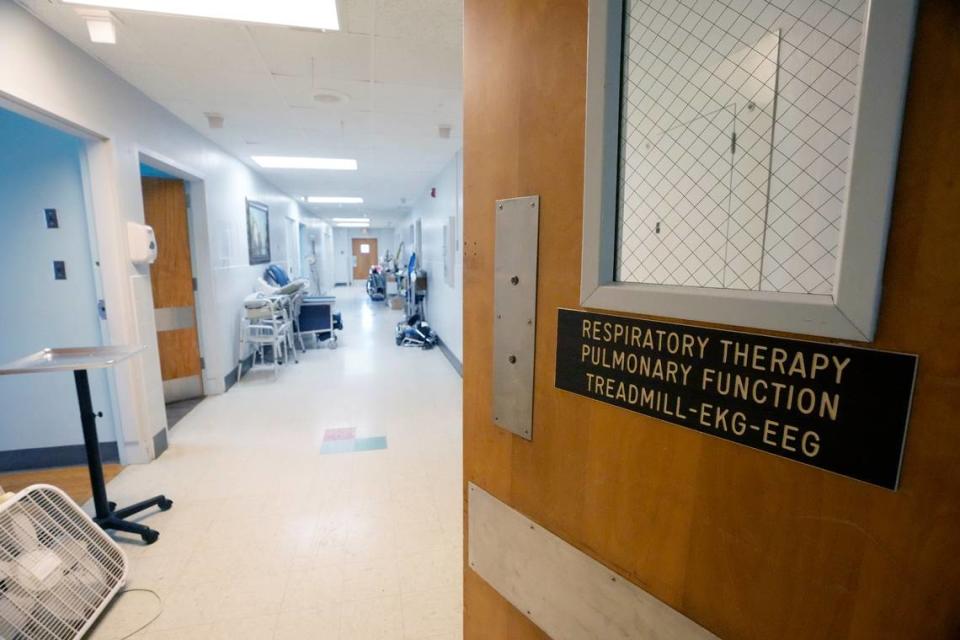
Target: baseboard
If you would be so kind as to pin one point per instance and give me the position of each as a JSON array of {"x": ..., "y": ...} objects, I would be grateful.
[
  {"x": 451, "y": 358},
  {"x": 45, "y": 457},
  {"x": 231, "y": 378},
  {"x": 160, "y": 443}
]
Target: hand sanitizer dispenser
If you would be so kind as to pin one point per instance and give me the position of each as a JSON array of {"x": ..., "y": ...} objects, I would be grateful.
[{"x": 142, "y": 243}]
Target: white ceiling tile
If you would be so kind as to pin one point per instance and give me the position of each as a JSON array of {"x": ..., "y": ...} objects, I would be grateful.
[
  {"x": 419, "y": 63},
  {"x": 326, "y": 54},
  {"x": 401, "y": 98},
  {"x": 185, "y": 43},
  {"x": 423, "y": 20}
]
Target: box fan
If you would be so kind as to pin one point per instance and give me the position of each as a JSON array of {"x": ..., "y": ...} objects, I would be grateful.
[{"x": 58, "y": 569}]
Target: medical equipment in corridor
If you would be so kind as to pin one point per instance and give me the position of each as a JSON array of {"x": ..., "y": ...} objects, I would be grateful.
[
  {"x": 377, "y": 284},
  {"x": 58, "y": 569},
  {"x": 414, "y": 331},
  {"x": 266, "y": 322},
  {"x": 318, "y": 319},
  {"x": 276, "y": 283},
  {"x": 79, "y": 360},
  {"x": 313, "y": 261}
]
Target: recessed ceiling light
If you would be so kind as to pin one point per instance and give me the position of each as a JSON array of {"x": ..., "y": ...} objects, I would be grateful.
[
  {"x": 310, "y": 14},
  {"x": 355, "y": 225},
  {"x": 288, "y": 162},
  {"x": 367, "y": 220},
  {"x": 334, "y": 200},
  {"x": 100, "y": 25}
]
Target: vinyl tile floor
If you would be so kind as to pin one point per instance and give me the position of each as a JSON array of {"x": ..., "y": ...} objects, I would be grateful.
[{"x": 270, "y": 537}]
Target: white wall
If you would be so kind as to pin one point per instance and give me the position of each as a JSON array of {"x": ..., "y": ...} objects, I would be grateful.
[
  {"x": 343, "y": 248},
  {"x": 43, "y": 72},
  {"x": 444, "y": 308},
  {"x": 40, "y": 168}
]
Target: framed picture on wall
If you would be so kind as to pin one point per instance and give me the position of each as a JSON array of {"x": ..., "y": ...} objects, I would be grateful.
[{"x": 258, "y": 232}]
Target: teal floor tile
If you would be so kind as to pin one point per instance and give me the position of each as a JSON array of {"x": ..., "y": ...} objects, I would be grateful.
[
  {"x": 370, "y": 444},
  {"x": 349, "y": 446},
  {"x": 337, "y": 446}
]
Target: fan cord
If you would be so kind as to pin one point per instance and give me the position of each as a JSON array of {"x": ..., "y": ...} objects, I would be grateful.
[{"x": 151, "y": 620}]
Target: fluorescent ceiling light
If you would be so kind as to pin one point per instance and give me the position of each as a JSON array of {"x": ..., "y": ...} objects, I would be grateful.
[
  {"x": 358, "y": 225},
  {"x": 351, "y": 219},
  {"x": 100, "y": 25},
  {"x": 288, "y": 162},
  {"x": 334, "y": 200},
  {"x": 309, "y": 14}
]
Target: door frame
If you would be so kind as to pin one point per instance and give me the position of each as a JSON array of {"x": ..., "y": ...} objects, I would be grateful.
[
  {"x": 94, "y": 147},
  {"x": 200, "y": 259}
]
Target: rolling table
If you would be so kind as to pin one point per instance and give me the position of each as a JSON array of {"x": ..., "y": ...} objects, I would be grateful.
[{"x": 79, "y": 360}]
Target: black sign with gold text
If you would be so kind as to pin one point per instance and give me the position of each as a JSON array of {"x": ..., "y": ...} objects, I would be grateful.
[{"x": 839, "y": 408}]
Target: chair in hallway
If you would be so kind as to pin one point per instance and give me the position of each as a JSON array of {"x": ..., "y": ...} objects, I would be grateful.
[
  {"x": 266, "y": 322},
  {"x": 276, "y": 282}
]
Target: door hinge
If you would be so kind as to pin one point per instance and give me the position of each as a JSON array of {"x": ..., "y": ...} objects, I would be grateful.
[
  {"x": 102, "y": 309},
  {"x": 187, "y": 199},
  {"x": 733, "y": 142},
  {"x": 194, "y": 284},
  {"x": 203, "y": 363}
]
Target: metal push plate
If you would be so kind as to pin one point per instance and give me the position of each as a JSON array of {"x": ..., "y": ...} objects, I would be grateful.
[{"x": 515, "y": 313}]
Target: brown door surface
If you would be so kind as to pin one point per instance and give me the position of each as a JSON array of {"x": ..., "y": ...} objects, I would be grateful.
[
  {"x": 747, "y": 544},
  {"x": 364, "y": 256},
  {"x": 171, "y": 277}
]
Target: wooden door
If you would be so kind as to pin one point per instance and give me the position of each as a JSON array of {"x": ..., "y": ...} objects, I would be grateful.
[
  {"x": 746, "y": 544},
  {"x": 171, "y": 277},
  {"x": 364, "y": 256}
]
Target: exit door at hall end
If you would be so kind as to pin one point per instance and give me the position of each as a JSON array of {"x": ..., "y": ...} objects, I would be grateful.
[{"x": 365, "y": 255}]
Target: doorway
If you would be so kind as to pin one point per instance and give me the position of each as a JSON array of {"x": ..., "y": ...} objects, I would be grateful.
[
  {"x": 364, "y": 256},
  {"x": 53, "y": 295},
  {"x": 174, "y": 286}
]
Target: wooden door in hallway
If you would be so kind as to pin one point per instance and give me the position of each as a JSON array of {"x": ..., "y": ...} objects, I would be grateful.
[
  {"x": 364, "y": 256},
  {"x": 171, "y": 278},
  {"x": 746, "y": 544}
]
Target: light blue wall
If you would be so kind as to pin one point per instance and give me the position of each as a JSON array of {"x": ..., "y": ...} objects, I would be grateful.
[
  {"x": 40, "y": 168},
  {"x": 152, "y": 172}
]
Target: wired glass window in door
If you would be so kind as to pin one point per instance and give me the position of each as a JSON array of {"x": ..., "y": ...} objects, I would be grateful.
[{"x": 735, "y": 131}]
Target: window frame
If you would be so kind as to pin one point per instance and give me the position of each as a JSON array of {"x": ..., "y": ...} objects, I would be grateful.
[{"x": 851, "y": 311}]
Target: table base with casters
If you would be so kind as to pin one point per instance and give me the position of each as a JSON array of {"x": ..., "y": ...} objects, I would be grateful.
[{"x": 79, "y": 360}]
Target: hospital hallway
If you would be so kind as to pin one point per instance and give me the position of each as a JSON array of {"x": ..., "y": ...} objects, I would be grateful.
[
  {"x": 479, "y": 320},
  {"x": 323, "y": 504}
]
